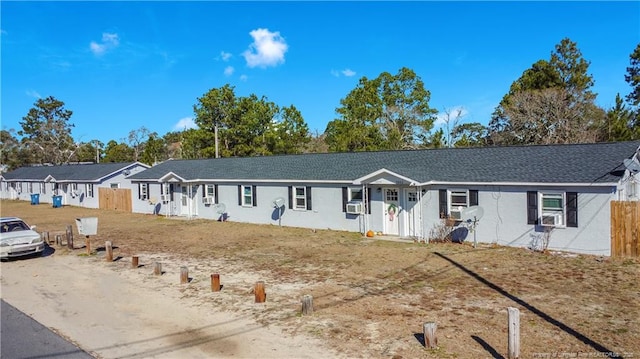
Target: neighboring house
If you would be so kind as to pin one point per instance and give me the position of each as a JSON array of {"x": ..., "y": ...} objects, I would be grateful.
[
  {"x": 522, "y": 191},
  {"x": 77, "y": 184}
]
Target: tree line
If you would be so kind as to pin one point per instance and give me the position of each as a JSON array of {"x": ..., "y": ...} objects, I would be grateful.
[{"x": 551, "y": 103}]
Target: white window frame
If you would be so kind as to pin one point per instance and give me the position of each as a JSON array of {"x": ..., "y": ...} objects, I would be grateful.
[
  {"x": 562, "y": 210},
  {"x": 210, "y": 190},
  {"x": 353, "y": 190},
  {"x": 144, "y": 191},
  {"x": 30, "y": 187},
  {"x": 114, "y": 185},
  {"x": 88, "y": 189},
  {"x": 458, "y": 206},
  {"x": 74, "y": 187},
  {"x": 247, "y": 197},
  {"x": 300, "y": 200}
]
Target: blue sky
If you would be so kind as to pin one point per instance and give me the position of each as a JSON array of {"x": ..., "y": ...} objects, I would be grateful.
[{"x": 121, "y": 65}]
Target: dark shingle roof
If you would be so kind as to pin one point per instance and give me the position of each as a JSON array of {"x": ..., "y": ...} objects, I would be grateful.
[
  {"x": 75, "y": 172},
  {"x": 575, "y": 163}
]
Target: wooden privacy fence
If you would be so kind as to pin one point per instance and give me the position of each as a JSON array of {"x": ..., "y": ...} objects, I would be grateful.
[
  {"x": 625, "y": 228},
  {"x": 118, "y": 199}
]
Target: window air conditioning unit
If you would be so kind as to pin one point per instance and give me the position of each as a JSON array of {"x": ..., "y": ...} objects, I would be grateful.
[
  {"x": 164, "y": 198},
  {"x": 551, "y": 219},
  {"x": 354, "y": 207},
  {"x": 208, "y": 200},
  {"x": 456, "y": 214}
]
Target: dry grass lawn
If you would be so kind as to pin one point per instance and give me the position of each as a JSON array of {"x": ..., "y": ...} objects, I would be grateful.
[{"x": 372, "y": 296}]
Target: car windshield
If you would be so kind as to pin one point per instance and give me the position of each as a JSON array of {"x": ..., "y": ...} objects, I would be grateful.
[{"x": 11, "y": 226}]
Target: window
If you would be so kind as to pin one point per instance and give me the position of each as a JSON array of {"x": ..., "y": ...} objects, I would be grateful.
[
  {"x": 210, "y": 190},
  {"x": 56, "y": 189},
  {"x": 355, "y": 194},
  {"x": 453, "y": 202},
  {"x": 350, "y": 194},
  {"x": 30, "y": 187},
  {"x": 552, "y": 208},
  {"x": 114, "y": 185},
  {"x": 300, "y": 198},
  {"x": 43, "y": 188},
  {"x": 74, "y": 187},
  {"x": 143, "y": 191},
  {"x": 247, "y": 196},
  {"x": 88, "y": 189},
  {"x": 20, "y": 187},
  {"x": 412, "y": 196}
]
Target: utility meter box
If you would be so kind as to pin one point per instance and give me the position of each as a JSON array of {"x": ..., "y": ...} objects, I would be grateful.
[{"x": 87, "y": 226}]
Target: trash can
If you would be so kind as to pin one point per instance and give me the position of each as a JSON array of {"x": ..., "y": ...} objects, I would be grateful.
[
  {"x": 57, "y": 201},
  {"x": 35, "y": 198}
]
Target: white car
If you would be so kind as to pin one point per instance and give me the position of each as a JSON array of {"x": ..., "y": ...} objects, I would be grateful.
[{"x": 18, "y": 238}]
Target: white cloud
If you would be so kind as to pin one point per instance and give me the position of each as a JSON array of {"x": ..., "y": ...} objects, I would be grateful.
[
  {"x": 228, "y": 71},
  {"x": 33, "y": 93},
  {"x": 268, "y": 49},
  {"x": 345, "y": 72},
  {"x": 451, "y": 114},
  {"x": 109, "y": 41},
  {"x": 185, "y": 124},
  {"x": 4, "y": 32},
  {"x": 348, "y": 72},
  {"x": 225, "y": 56},
  {"x": 244, "y": 78}
]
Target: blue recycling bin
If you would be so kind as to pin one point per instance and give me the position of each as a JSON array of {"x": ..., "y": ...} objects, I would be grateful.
[
  {"x": 35, "y": 198},
  {"x": 57, "y": 201}
]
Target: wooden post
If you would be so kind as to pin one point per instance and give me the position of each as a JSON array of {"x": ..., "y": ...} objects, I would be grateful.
[
  {"x": 58, "y": 239},
  {"x": 261, "y": 295},
  {"x": 514, "y": 332},
  {"x": 430, "y": 338},
  {"x": 87, "y": 242},
  {"x": 215, "y": 282},
  {"x": 109, "y": 248},
  {"x": 157, "y": 268},
  {"x": 134, "y": 262},
  {"x": 184, "y": 275},
  {"x": 69, "y": 233},
  {"x": 307, "y": 304},
  {"x": 45, "y": 237}
]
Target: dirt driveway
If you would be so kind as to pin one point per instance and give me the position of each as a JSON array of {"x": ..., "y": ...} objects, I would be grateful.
[{"x": 371, "y": 297}]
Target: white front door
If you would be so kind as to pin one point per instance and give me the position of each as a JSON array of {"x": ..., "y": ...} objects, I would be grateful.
[
  {"x": 412, "y": 213},
  {"x": 391, "y": 212}
]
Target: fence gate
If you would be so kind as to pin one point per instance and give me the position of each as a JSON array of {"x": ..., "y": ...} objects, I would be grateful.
[
  {"x": 625, "y": 228},
  {"x": 118, "y": 199}
]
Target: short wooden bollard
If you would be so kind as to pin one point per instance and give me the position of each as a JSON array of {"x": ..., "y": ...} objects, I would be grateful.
[
  {"x": 87, "y": 242},
  {"x": 69, "y": 234},
  {"x": 514, "y": 332},
  {"x": 307, "y": 304},
  {"x": 109, "y": 250},
  {"x": 45, "y": 237},
  {"x": 430, "y": 338},
  {"x": 58, "y": 239},
  {"x": 184, "y": 275},
  {"x": 134, "y": 262},
  {"x": 261, "y": 295},
  {"x": 215, "y": 282},
  {"x": 157, "y": 268}
]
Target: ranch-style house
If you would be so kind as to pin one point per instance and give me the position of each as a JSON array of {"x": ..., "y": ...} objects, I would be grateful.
[{"x": 505, "y": 195}]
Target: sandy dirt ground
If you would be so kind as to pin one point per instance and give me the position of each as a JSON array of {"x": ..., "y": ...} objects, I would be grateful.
[
  {"x": 114, "y": 311},
  {"x": 371, "y": 295}
]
